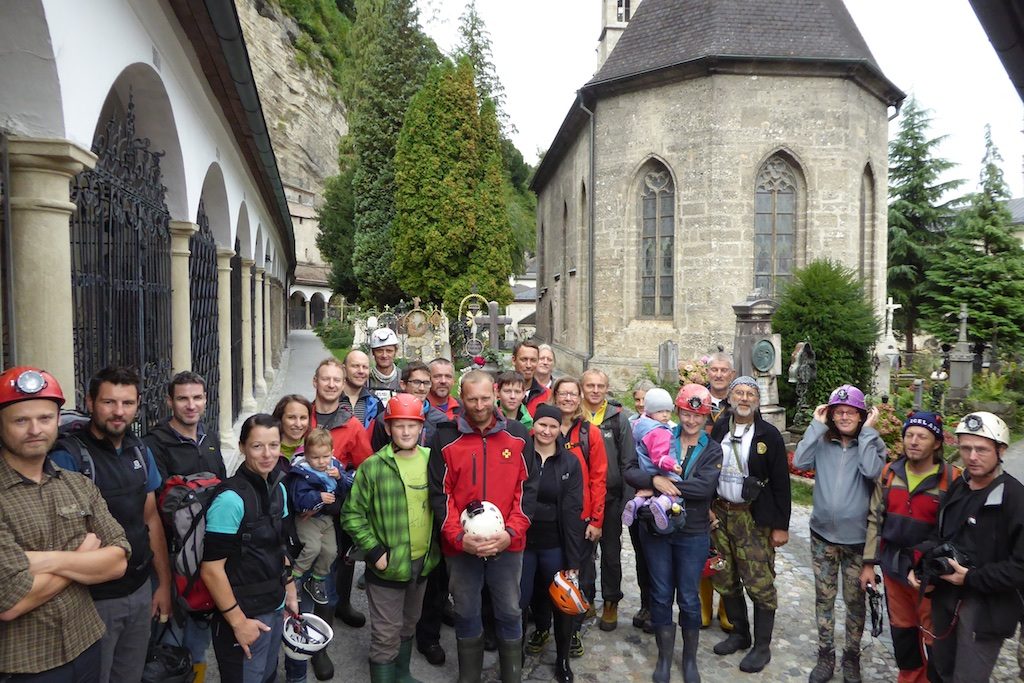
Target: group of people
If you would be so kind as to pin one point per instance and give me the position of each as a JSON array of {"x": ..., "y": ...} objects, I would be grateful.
[{"x": 491, "y": 504}]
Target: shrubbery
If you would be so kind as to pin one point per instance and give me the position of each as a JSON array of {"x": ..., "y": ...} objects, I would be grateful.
[{"x": 335, "y": 334}]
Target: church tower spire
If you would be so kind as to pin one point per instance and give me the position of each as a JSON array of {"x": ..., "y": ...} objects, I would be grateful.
[{"x": 615, "y": 14}]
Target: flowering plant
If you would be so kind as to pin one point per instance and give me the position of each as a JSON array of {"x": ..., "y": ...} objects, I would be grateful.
[{"x": 694, "y": 371}]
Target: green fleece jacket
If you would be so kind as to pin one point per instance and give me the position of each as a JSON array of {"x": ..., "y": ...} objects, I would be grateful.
[{"x": 376, "y": 516}]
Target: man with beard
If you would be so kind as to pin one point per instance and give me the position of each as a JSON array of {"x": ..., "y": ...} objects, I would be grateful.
[
  {"x": 385, "y": 377},
  {"x": 525, "y": 358},
  {"x": 442, "y": 378},
  {"x": 56, "y": 538},
  {"x": 751, "y": 520},
  {"x": 123, "y": 468},
  {"x": 355, "y": 396}
]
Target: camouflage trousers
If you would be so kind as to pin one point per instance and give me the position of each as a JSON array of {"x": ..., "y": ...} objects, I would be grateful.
[
  {"x": 829, "y": 561},
  {"x": 749, "y": 557}
]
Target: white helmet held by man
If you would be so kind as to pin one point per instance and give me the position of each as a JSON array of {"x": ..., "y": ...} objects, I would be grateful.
[
  {"x": 985, "y": 424},
  {"x": 482, "y": 519},
  {"x": 383, "y": 336}
]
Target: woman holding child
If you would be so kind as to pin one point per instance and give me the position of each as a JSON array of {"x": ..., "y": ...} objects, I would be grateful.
[{"x": 676, "y": 555}]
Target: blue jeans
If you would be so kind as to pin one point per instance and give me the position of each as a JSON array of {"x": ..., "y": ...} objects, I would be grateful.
[
  {"x": 467, "y": 575},
  {"x": 675, "y": 563},
  {"x": 539, "y": 568},
  {"x": 231, "y": 661}
]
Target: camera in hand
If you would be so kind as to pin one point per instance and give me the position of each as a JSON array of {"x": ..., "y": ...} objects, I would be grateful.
[{"x": 935, "y": 562}]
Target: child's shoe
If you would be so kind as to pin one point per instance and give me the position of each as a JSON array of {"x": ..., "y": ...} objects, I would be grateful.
[
  {"x": 629, "y": 511},
  {"x": 316, "y": 590},
  {"x": 659, "y": 513}
]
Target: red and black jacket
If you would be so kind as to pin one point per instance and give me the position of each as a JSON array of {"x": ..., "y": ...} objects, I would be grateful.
[
  {"x": 537, "y": 394},
  {"x": 589, "y": 450},
  {"x": 351, "y": 440}
]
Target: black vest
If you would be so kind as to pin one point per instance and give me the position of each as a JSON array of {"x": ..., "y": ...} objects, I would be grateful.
[
  {"x": 121, "y": 478},
  {"x": 256, "y": 569},
  {"x": 176, "y": 456}
]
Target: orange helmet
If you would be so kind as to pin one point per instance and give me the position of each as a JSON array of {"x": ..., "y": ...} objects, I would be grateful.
[
  {"x": 26, "y": 382},
  {"x": 404, "y": 407},
  {"x": 694, "y": 398},
  {"x": 566, "y": 594}
]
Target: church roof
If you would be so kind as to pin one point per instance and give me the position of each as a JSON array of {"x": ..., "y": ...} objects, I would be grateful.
[{"x": 665, "y": 33}]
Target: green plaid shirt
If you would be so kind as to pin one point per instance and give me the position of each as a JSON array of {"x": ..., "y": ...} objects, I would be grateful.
[
  {"x": 376, "y": 516},
  {"x": 54, "y": 514}
]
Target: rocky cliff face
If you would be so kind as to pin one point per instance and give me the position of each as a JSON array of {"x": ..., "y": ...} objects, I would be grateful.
[{"x": 304, "y": 117}]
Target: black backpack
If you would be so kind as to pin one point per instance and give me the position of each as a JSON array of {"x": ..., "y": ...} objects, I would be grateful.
[{"x": 69, "y": 427}]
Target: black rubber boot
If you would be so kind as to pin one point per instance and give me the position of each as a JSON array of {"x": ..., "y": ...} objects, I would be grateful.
[
  {"x": 510, "y": 660},
  {"x": 471, "y": 659},
  {"x": 665, "y": 637},
  {"x": 563, "y": 632},
  {"x": 344, "y": 610},
  {"x": 323, "y": 667},
  {"x": 691, "y": 638},
  {"x": 761, "y": 653},
  {"x": 825, "y": 668},
  {"x": 739, "y": 639}
]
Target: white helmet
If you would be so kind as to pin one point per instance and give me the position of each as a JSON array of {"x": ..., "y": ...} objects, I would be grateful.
[
  {"x": 482, "y": 519},
  {"x": 985, "y": 424},
  {"x": 304, "y": 635},
  {"x": 383, "y": 336}
]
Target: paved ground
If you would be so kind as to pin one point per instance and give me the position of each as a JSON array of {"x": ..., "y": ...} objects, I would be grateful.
[{"x": 627, "y": 654}]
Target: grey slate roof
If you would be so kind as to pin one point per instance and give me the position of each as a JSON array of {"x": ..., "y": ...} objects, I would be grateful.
[
  {"x": 665, "y": 33},
  {"x": 1016, "y": 207}
]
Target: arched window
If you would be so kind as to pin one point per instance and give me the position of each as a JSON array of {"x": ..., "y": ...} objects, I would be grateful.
[
  {"x": 775, "y": 222},
  {"x": 867, "y": 231},
  {"x": 657, "y": 236}
]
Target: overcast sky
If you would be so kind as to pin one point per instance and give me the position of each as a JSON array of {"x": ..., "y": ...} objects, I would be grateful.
[{"x": 544, "y": 50}]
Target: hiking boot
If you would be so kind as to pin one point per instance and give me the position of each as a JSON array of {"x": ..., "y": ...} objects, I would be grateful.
[
  {"x": 576, "y": 646},
  {"x": 609, "y": 616},
  {"x": 761, "y": 653},
  {"x": 591, "y": 612},
  {"x": 851, "y": 666},
  {"x": 537, "y": 640},
  {"x": 432, "y": 652},
  {"x": 316, "y": 589},
  {"x": 739, "y": 639},
  {"x": 825, "y": 667},
  {"x": 642, "y": 620}
]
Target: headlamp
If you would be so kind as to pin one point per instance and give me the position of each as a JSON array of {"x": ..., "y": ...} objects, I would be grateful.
[{"x": 30, "y": 382}]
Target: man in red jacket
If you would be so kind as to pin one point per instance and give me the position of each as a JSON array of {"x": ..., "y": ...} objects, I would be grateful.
[
  {"x": 525, "y": 357},
  {"x": 482, "y": 457}
]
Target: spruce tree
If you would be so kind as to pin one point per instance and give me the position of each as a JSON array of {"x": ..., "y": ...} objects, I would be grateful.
[
  {"x": 981, "y": 264},
  {"x": 335, "y": 217},
  {"x": 918, "y": 216}
]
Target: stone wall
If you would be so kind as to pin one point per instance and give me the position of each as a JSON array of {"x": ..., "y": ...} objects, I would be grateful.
[{"x": 713, "y": 134}]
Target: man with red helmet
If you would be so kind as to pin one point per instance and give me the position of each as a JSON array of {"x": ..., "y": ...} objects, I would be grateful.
[
  {"x": 388, "y": 517},
  {"x": 752, "y": 511},
  {"x": 56, "y": 539}
]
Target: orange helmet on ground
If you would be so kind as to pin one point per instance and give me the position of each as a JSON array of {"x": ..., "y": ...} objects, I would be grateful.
[
  {"x": 566, "y": 594},
  {"x": 404, "y": 407},
  {"x": 25, "y": 382},
  {"x": 694, "y": 398}
]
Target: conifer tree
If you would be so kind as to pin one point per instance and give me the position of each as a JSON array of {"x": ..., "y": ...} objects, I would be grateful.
[
  {"x": 981, "y": 264},
  {"x": 918, "y": 216},
  {"x": 335, "y": 217}
]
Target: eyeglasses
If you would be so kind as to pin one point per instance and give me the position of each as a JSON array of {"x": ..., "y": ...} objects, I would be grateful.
[
  {"x": 844, "y": 413},
  {"x": 419, "y": 382},
  {"x": 567, "y": 394}
]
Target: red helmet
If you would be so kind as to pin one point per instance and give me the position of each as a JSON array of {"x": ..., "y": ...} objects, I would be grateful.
[
  {"x": 694, "y": 398},
  {"x": 404, "y": 407},
  {"x": 566, "y": 594},
  {"x": 714, "y": 564},
  {"x": 26, "y": 382}
]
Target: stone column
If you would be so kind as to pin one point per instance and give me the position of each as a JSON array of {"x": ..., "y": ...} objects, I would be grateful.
[
  {"x": 181, "y": 296},
  {"x": 258, "y": 380},
  {"x": 227, "y": 436},
  {"x": 269, "y": 331},
  {"x": 248, "y": 402},
  {"x": 41, "y": 208}
]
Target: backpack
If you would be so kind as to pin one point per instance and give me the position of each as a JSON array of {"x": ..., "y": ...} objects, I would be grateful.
[
  {"x": 69, "y": 425},
  {"x": 183, "y": 502}
]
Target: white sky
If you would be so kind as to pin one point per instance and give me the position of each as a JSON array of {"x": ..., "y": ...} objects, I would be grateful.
[{"x": 544, "y": 50}]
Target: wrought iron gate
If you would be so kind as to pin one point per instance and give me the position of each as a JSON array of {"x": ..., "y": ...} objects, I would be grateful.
[
  {"x": 121, "y": 266},
  {"x": 202, "y": 278},
  {"x": 236, "y": 332}
]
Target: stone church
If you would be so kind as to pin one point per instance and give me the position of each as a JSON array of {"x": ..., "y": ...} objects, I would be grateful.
[{"x": 720, "y": 145}]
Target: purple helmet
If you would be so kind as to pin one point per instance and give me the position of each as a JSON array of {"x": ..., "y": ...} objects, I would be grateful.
[{"x": 848, "y": 395}]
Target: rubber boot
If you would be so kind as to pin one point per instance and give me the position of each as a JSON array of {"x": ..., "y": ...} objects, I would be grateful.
[
  {"x": 563, "y": 632},
  {"x": 471, "y": 659},
  {"x": 402, "y": 674},
  {"x": 825, "y": 667},
  {"x": 199, "y": 672},
  {"x": 761, "y": 653},
  {"x": 323, "y": 667},
  {"x": 691, "y": 639},
  {"x": 739, "y": 639},
  {"x": 665, "y": 637},
  {"x": 723, "y": 618},
  {"x": 382, "y": 673},
  {"x": 510, "y": 660},
  {"x": 707, "y": 597},
  {"x": 344, "y": 610}
]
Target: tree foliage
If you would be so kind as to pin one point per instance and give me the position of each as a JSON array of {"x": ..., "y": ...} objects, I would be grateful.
[
  {"x": 336, "y": 235},
  {"x": 918, "y": 216},
  {"x": 451, "y": 194},
  {"x": 981, "y": 264},
  {"x": 325, "y": 25},
  {"x": 826, "y": 305},
  {"x": 475, "y": 43}
]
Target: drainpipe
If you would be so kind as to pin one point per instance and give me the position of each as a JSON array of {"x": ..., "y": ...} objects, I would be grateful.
[{"x": 590, "y": 237}]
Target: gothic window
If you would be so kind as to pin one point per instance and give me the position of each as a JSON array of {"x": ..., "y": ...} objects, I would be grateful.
[
  {"x": 564, "y": 269},
  {"x": 622, "y": 11},
  {"x": 867, "y": 230},
  {"x": 657, "y": 234},
  {"x": 775, "y": 219}
]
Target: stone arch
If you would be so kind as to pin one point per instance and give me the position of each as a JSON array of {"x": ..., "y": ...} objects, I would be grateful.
[
  {"x": 243, "y": 233},
  {"x": 32, "y": 103},
  {"x": 297, "y": 310},
  {"x": 779, "y": 193},
  {"x": 258, "y": 252},
  {"x": 317, "y": 309},
  {"x": 154, "y": 120},
  {"x": 215, "y": 202}
]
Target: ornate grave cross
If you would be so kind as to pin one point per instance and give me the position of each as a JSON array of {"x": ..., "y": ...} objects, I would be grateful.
[{"x": 493, "y": 322}]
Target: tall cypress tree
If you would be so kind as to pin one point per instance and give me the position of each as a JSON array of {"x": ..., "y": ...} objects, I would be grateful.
[
  {"x": 918, "y": 217},
  {"x": 981, "y": 264}
]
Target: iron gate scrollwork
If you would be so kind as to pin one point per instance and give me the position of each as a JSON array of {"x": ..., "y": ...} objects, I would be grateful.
[
  {"x": 121, "y": 266},
  {"x": 236, "y": 331},
  {"x": 202, "y": 278}
]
